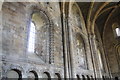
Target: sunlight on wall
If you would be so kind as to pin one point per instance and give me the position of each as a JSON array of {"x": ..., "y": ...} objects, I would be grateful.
[
  {"x": 117, "y": 31},
  {"x": 31, "y": 40}
]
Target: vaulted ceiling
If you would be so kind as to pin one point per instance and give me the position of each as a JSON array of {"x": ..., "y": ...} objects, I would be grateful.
[{"x": 99, "y": 12}]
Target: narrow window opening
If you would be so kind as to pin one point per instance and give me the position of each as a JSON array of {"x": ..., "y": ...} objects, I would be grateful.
[
  {"x": 31, "y": 39},
  {"x": 117, "y": 32}
]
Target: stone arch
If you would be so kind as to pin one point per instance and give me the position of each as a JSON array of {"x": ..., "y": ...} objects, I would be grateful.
[
  {"x": 91, "y": 24},
  {"x": 17, "y": 67},
  {"x": 34, "y": 72},
  {"x": 14, "y": 68},
  {"x": 42, "y": 51},
  {"x": 82, "y": 31},
  {"x": 109, "y": 33},
  {"x": 33, "y": 75},
  {"x": 83, "y": 77},
  {"x": 78, "y": 78},
  {"x": 88, "y": 78},
  {"x": 78, "y": 13},
  {"x": 58, "y": 76},
  {"x": 14, "y": 73},
  {"x": 36, "y": 7},
  {"x": 46, "y": 75}
]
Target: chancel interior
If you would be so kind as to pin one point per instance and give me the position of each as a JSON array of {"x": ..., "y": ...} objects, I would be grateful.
[{"x": 61, "y": 40}]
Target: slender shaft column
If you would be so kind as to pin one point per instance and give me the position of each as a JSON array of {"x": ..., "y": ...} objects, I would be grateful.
[
  {"x": 65, "y": 40},
  {"x": 66, "y": 57},
  {"x": 63, "y": 22},
  {"x": 94, "y": 56},
  {"x": 67, "y": 29}
]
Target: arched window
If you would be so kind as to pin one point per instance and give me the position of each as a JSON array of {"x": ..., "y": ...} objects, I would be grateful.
[
  {"x": 116, "y": 29},
  {"x": 38, "y": 36}
]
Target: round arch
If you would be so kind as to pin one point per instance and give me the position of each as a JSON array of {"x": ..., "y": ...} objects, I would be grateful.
[
  {"x": 83, "y": 77},
  {"x": 73, "y": 5},
  {"x": 14, "y": 73},
  {"x": 91, "y": 24},
  {"x": 82, "y": 31},
  {"x": 33, "y": 75},
  {"x": 17, "y": 70},
  {"x": 88, "y": 78},
  {"x": 36, "y": 11},
  {"x": 58, "y": 76},
  {"x": 78, "y": 78},
  {"x": 46, "y": 75}
]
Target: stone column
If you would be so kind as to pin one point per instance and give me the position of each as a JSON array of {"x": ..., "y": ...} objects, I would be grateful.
[
  {"x": 71, "y": 51},
  {"x": 64, "y": 41},
  {"x": 68, "y": 51},
  {"x": 65, "y": 49},
  {"x": 94, "y": 56}
]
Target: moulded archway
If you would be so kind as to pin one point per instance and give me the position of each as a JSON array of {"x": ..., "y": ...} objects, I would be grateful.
[
  {"x": 46, "y": 75},
  {"x": 88, "y": 78},
  {"x": 57, "y": 76},
  {"x": 76, "y": 25},
  {"x": 78, "y": 78},
  {"x": 109, "y": 32},
  {"x": 76, "y": 18},
  {"x": 38, "y": 36},
  {"x": 32, "y": 75},
  {"x": 83, "y": 77},
  {"x": 14, "y": 74}
]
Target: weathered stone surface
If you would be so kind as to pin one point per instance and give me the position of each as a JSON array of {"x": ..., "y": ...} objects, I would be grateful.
[{"x": 62, "y": 43}]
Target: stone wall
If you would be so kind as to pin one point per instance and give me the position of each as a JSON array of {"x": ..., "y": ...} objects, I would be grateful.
[
  {"x": 15, "y": 21},
  {"x": 111, "y": 43},
  {"x": 52, "y": 28}
]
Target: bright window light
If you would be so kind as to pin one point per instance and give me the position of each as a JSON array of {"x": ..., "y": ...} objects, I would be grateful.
[
  {"x": 31, "y": 39},
  {"x": 117, "y": 31}
]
